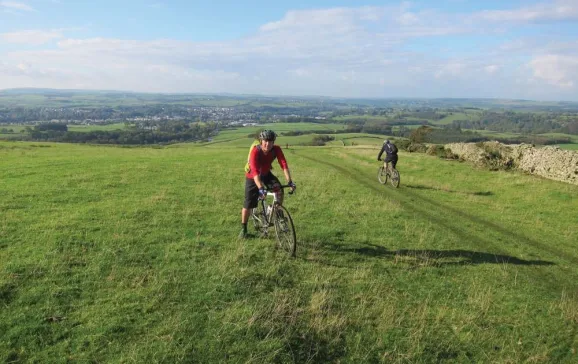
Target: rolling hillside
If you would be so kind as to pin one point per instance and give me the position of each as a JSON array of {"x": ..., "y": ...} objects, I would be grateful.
[{"x": 113, "y": 254}]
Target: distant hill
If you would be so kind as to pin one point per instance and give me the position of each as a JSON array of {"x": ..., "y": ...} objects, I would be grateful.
[{"x": 21, "y": 97}]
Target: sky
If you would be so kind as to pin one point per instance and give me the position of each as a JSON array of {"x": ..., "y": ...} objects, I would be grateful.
[{"x": 508, "y": 49}]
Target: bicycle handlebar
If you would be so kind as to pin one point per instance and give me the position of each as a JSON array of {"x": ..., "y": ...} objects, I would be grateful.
[{"x": 281, "y": 187}]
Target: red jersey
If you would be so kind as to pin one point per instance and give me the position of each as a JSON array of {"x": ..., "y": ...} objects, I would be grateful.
[{"x": 260, "y": 163}]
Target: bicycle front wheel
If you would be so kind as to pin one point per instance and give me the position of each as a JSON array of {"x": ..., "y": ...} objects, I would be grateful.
[
  {"x": 382, "y": 175},
  {"x": 285, "y": 230},
  {"x": 259, "y": 220},
  {"x": 395, "y": 178}
]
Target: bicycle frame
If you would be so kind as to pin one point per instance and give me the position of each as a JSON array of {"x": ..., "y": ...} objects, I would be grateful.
[{"x": 267, "y": 208}]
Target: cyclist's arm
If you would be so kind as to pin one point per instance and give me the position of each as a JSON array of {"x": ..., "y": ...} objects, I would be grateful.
[
  {"x": 287, "y": 174},
  {"x": 283, "y": 164},
  {"x": 258, "y": 182},
  {"x": 380, "y": 152}
]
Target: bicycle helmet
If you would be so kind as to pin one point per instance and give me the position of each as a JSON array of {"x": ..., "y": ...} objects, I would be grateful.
[{"x": 268, "y": 135}]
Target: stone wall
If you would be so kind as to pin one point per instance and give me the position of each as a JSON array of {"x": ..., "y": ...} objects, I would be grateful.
[{"x": 549, "y": 162}]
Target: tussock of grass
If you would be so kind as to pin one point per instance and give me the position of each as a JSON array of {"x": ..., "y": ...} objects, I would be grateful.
[{"x": 569, "y": 306}]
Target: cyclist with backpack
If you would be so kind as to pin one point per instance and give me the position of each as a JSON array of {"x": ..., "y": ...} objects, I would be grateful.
[
  {"x": 391, "y": 153},
  {"x": 259, "y": 177}
]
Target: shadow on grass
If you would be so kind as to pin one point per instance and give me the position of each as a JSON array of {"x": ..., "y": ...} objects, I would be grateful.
[
  {"x": 313, "y": 348},
  {"x": 422, "y": 187},
  {"x": 438, "y": 257}
]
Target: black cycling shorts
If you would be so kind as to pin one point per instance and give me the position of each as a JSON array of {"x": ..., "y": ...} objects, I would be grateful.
[
  {"x": 252, "y": 191},
  {"x": 391, "y": 158}
]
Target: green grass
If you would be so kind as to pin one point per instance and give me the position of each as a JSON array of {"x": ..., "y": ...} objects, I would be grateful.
[
  {"x": 350, "y": 139},
  {"x": 457, "y": 116},
  {"x": 569, "y": 146},
  {"x": 495, "y": 134},
  {"x": 447, "y": 120},
  {"x": 572, "y": 137},
  {"x": 239, "y": 137},
  {"x": 365, "y": 117},
  {"x": 113, "y": 254},
  {"x": 18, "y": 129}
]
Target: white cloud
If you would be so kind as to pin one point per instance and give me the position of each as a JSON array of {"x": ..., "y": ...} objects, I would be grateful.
[
  {"x": 560, "y": 71},
  {"x": 31, "y": 37},
  {"x": 559, "y": 10},
  {"x": 338, "y": 19},
  {"x": 491, "y": 69},
  {"x": 408, "y": 18},
  {"x": 12, "y": 5},
  {"x": 451, "y": 69}
]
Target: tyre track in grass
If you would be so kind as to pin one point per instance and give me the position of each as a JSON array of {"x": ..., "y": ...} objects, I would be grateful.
[
  {"x": 419, "y": 204},
  {"x": 551, "y": 281}
]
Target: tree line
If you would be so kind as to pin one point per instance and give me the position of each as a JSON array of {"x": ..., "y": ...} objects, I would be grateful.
[
  {"x": 524, "y": 123},
  {"x": 449, "y": 134},
  {"x": 165, "y": 133}
]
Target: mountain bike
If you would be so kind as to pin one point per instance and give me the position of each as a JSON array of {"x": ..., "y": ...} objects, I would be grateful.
[
  {"x": 385, "y": 172},
  {"x": 275, "y": 215}
]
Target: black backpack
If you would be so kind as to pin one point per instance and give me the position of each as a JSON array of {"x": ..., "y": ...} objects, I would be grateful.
[{"x": 392, "y": 148}]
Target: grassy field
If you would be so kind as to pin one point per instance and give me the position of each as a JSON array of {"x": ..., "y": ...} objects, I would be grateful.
[
  {"x": 18, "y": 129},
  {"x": 574, "y": 138},
  {"x": 112, "y": 254},
  {"x": 457, "y": 116},
  {"x": 472, "y": 115},
  {"x": 569, "y": 146},
  {"x": 360, "y": 117},
  {"x": 239, "y": 137}
]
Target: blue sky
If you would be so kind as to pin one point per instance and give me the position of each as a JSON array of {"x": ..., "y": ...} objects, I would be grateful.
[{"x": 521, "y": 49}]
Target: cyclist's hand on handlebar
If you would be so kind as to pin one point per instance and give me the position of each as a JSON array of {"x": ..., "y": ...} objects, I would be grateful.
[
  {"x": 379, "y": 159},
  {"x": 292, "y": 185},
  {"x": 262, "y": 193}
]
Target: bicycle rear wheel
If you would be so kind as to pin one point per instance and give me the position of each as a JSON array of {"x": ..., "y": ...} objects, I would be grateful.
[
  {"x": 285, "y": 230},
  {"x": 382, "y": 175},
  {"x": 394, "y": 178}
]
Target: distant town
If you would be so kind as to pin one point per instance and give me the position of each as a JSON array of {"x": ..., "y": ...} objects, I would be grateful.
[{"x": 163, "y": 118}]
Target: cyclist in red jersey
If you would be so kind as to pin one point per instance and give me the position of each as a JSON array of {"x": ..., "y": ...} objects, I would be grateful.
[{"x": 259, "y": 177}]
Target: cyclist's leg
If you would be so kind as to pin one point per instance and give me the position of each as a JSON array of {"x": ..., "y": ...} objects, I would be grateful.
[
  {"x": 387, "y": 160},
  {"x": 392, "y": 160},
  {"x": 251, "y": 198}
]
